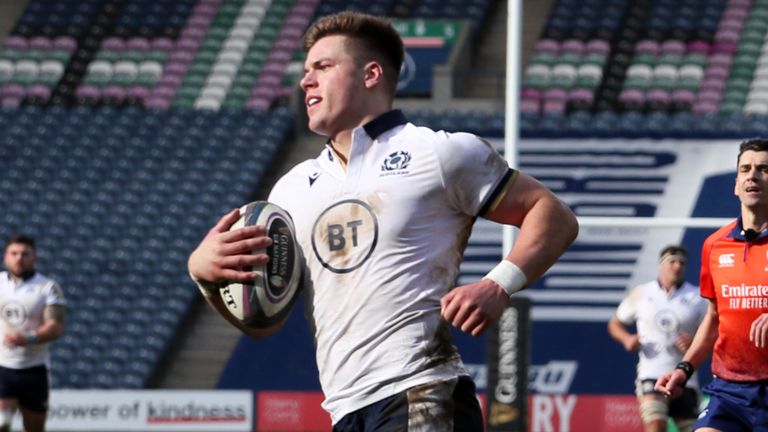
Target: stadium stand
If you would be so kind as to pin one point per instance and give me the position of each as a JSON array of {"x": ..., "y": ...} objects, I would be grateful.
[
  {"x": 661, "y": 59},
  {"x": 108, "y": 192}
]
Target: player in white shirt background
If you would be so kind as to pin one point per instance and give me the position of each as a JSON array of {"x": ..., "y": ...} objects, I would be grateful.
[
  {"x": 666, "y": 312},
  {"x": 32, "y": 310},
  {"x": 382, "y": 216}
]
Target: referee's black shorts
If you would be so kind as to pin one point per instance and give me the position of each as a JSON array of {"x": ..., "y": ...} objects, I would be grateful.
[
  {"x": 30, "y": 386},
  {"x": 436, "y": 406}
]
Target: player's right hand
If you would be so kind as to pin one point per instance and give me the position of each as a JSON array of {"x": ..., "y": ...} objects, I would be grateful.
[
  {"x": 758, "y": 332},
  {"x": 225, "y": 255},
  {"x": 671, "y": 384},
  {"x": 632, "y": 343}
]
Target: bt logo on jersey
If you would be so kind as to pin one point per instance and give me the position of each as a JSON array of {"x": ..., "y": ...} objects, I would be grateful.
[
  {"x": 345, "y": 235},
  {"x": 726, "y": 260}
]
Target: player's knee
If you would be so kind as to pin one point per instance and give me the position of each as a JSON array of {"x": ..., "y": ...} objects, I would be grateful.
[
  {"x": 5, "y": 420},
  {"x": 653, "y": 410}
]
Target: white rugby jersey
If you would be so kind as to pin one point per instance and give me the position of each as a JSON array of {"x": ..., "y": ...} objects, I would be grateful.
[
  {"x": 383, "y": 241},
  {"x": 659, "y": 319},
  {"x": 21, "y": 308}
]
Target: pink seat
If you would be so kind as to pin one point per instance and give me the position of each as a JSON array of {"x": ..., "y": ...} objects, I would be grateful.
[
  {"x": 12, "y": 90},
  {"x": 528, "y": 93},
  {"x": 113, "y": 43},
  {"x": 157, "y": 102},
  {"x": 717, "y": 71},
  {"x": 258, "y": 103},
  {"x": 673, "y": 46},
  {"x": 550, "y": 46},
  {"x": 553, "y": 107},
  {"x": 722, "y": 46},
  {"x": 40, "y": 43},
  {"x": 573, "y": 46},
  {"x": 714, "y": 84},
  {"x": 598, "y": 46},
  {"x": 704, "y": 107},
  {"x": 647, "y": 46},
  {"x": 18, "y": 43},
  {"x": 710, "y": 95},
  {"x": 138, "y": 43},
  {"x": 727, "y": 35},
  {"x": 698, "y": 47},
  {"x": 65, "y": 43},
  {"x": 720, "y": 59},
  {"x": 530, "y": 106},
  {"x": 162, "y": 44}
]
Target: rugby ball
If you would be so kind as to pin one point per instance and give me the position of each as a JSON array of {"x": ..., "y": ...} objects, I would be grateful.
[{"x": 269, "y": 298}]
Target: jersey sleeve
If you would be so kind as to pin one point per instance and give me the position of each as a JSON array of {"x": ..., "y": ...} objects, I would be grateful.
[
  {"x": 474, "y": 173},
  {"x": 54, "y": 295},
  {"x": 627, "y": 310}
]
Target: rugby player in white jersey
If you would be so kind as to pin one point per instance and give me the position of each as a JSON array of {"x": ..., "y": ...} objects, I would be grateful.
[
  {"x": 32, "y": 308},
  {"x": 383, "y": 215},
  {"x": 666, "y": 312}
]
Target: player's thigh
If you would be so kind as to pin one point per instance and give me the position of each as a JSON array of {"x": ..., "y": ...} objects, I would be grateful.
[
  {"x": 33, "y": 420},
  {"x": 34, "y": 389}
]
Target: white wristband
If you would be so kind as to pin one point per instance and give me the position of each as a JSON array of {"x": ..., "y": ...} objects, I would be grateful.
[
  {"x": 31, "y": 336},
  {"x": 508, "y": 276}
]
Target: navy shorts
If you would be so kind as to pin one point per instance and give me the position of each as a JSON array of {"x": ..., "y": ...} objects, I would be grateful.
[
  {"x": 735, "y": 407},
  {"x": 30, "y": 386},
  {"x": 437, "y": 406}
]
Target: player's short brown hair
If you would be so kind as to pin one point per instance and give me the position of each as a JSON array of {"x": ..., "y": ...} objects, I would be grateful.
[
  {"x": 380, "y": 41},
  {"x": 754, "y": 144},
  {"x": 22, "y": 239},
  {"x": 678, "y": 250}
]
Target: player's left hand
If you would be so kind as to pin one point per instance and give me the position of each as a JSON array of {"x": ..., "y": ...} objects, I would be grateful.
[
  {"x": 758, "y": 332},
  {"x": 15, "y": 339},
  {"x": 475, "y": 307}
]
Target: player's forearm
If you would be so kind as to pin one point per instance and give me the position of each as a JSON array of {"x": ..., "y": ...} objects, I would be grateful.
[
  {"x": 704, "y": 339},
  {"x": 47, "y": 332},
  {"x": 547, "y": 231},
  {"x": 617, "y": 331}
]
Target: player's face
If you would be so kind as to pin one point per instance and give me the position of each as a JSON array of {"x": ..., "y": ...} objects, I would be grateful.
[
  {"x": 752, "y": 180},
  {"x": 673, "y": 270},
  {"x": 19, "y": 259},
  {"x": 333, "y": 83}
]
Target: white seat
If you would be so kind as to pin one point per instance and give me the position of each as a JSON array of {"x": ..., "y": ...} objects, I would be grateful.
[
  {"x": 640, "y": 71},
  {"x": 27, "y": 68},
  {"x": 207, "y": 103},
  {"x": 126, "y": 68},
  {"x": 539, "y": 71},
  {"x": 665, "y": 71},
  {"x": 224, "y": 68},
  {"x": 691, "y": 71}
]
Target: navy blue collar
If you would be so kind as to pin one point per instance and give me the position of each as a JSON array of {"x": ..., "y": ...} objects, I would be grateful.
[
  {"x": 738, "y": 233},
  {"x": 384, "y": 122},
  {"x": 376, "y": 127}
]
